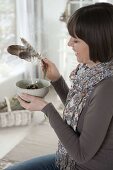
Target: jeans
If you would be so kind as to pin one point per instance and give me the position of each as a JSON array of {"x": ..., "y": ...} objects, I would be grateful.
[{"x": 40, "y": 163}]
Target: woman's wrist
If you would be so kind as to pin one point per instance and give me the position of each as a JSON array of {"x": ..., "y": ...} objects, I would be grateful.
[
  {"x": 44, "y": 104},
  {"x": 56, "y": 79}
]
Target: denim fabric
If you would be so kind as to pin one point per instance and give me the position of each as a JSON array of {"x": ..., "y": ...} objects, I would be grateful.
[{"x": 40, "y": 163}]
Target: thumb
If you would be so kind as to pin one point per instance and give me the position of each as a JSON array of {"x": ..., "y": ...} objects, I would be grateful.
[{"x": 46, "y": 61}]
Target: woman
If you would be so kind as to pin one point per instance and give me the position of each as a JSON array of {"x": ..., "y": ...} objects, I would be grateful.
[{"x": 86, "y": 131}]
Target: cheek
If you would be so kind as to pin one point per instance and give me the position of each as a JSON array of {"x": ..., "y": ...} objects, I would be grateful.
[
  {"x": 85, "y": 50},
  {"x": 82, "y": 49},
  {"x": 83, "y": 54}
]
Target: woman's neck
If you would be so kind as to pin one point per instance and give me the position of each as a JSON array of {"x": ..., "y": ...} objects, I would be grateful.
[{"x": 92, "y": 64}]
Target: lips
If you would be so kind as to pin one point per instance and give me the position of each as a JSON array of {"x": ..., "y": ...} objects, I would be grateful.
[{"x": 76, "y": 53}]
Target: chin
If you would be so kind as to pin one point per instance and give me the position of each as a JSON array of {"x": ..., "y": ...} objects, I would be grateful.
[{"x": 79, "y": 61}]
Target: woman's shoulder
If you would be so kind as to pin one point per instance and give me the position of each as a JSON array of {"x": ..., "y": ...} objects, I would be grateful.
[
  {"x": 101, "y": 98},
  {"x": 103, "y": 90},
  {"x": 104, "y": 85}
]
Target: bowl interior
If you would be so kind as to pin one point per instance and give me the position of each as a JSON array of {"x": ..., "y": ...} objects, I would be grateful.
[{"x": 41, "y": 83}]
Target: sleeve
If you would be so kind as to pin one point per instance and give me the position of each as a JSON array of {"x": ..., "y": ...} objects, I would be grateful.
[
  {"x": 61, "y": 88},
  {"x": 96, "y": 123}
]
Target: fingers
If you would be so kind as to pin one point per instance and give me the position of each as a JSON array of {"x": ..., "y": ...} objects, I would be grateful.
[
  {"x": 31, "y": 102},
  {"x": 44, "y": 65},
  {"x": 23, "y": 103},
  {"x": 26, "y": 101},
  {"x": 48, "y": 62},
  {"x": 27, "y": 97}
]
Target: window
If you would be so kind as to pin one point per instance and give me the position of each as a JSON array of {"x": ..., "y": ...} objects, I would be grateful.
[
  {"x": 19, "y": 18},
  {"x": 7, "y": 36},
  {"x": 7, "y": 27}
]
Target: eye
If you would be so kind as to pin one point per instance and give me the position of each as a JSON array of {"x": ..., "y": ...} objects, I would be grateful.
[{"x": 76, "y": 41}]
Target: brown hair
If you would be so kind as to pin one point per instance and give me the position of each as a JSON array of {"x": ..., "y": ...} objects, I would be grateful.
[{"x": 94, "y": 25}]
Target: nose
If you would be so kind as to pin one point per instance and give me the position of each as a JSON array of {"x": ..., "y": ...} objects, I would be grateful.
[{"x": 70, "y": 42}]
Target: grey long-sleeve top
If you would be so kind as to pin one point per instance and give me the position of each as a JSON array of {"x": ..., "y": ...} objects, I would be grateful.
[{"x": 92, "y": 145}]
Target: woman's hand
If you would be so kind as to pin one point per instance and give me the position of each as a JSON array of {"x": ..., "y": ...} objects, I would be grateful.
[
  {"x": 32, "y": 103},
  {"x": 52, "y": 72}
]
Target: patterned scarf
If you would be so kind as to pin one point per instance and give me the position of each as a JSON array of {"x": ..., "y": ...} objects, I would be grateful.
[{"x": 84, "y": 80}]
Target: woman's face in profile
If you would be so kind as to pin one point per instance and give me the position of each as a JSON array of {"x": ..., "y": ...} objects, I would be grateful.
[{"x": 81, "y": 50}]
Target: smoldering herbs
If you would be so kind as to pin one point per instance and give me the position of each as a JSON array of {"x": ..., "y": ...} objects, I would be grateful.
[{"x": 37, "y": 85}]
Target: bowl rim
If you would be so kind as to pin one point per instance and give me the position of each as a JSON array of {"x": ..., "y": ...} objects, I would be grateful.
[{"x": 35, "y": 79}]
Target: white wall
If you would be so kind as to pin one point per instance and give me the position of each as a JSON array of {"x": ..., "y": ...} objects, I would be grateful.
[
  {"x": 53, "y": 27},
  {"x": 57, "y": 36}
]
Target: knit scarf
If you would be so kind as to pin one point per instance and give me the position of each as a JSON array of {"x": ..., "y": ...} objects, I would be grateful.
[{"x": 83, "y": 80}]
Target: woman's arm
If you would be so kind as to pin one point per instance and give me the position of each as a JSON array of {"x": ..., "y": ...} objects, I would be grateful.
[
  {"x": 61, "y": 88},
  {"x": 96, "y": 125}
]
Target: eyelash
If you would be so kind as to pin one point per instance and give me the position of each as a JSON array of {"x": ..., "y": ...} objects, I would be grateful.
[{"x": 75, "y": 41}]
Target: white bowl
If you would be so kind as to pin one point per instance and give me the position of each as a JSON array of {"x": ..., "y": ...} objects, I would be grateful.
[{"x": 40, "y": 92}]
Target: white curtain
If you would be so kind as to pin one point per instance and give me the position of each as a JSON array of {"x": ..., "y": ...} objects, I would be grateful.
[{"x": 30, "y": 26}]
